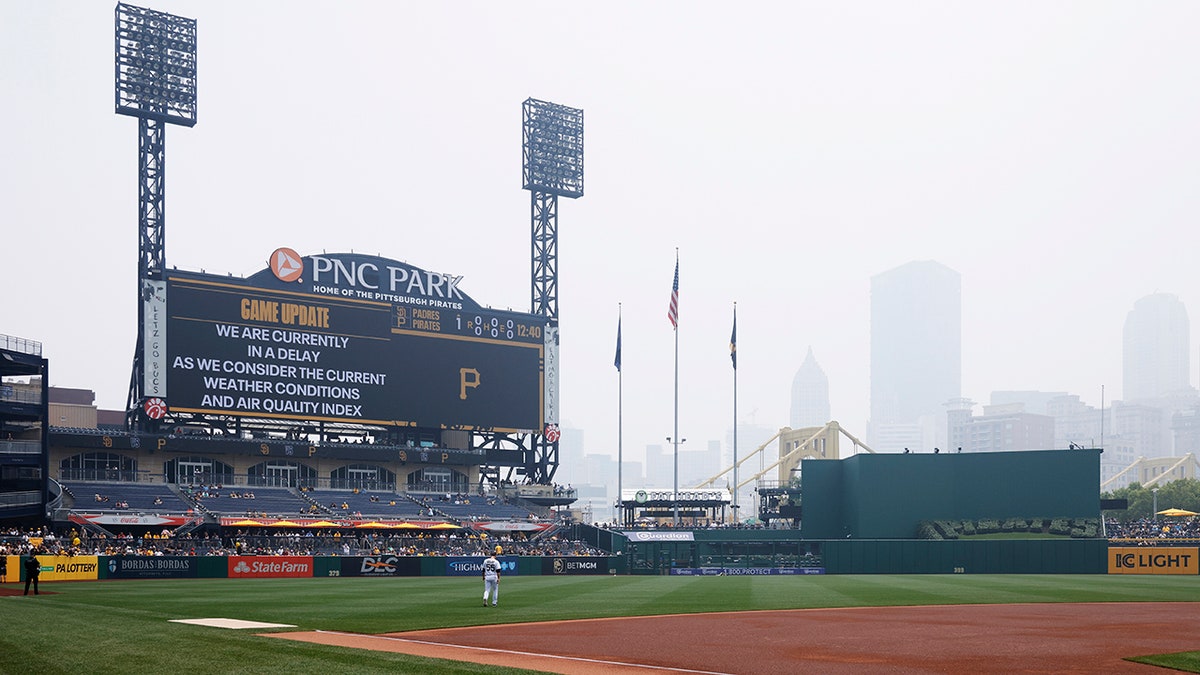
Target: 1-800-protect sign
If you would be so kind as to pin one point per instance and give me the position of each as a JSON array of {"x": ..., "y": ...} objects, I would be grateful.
[{"x": 334, "y": 348}]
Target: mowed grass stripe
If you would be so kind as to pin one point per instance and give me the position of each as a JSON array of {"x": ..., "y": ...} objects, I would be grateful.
[{"x": 122, "y": 626}]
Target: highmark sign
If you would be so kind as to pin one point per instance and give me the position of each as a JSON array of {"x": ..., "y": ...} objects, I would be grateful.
[{"x": 1163, "y": 560}]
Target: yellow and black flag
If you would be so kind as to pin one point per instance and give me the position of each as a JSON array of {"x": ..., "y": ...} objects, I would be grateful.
[{"x": 733, "y": 340}]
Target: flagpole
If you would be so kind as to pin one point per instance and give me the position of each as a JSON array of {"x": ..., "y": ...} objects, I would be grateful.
[
  {"x": 733, "y": 354},
  {"x": 620, "y": 419},
  {"x": 675, "y": 437}
]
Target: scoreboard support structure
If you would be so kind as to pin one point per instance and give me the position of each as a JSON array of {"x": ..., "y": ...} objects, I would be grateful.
[
  {"x": 155, "y": 81},
  {"x": 552, "y": 152}
]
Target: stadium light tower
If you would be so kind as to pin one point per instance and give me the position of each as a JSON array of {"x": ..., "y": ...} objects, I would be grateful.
[
  {"x": 552, "y": 167},
  {"x": 156, "y": 83}
]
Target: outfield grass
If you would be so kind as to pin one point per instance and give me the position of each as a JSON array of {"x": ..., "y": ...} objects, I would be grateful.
[{"x": 122, "y": 626}]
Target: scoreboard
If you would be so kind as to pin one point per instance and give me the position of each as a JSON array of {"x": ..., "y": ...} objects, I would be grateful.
[{"x": 347, "y": 338}]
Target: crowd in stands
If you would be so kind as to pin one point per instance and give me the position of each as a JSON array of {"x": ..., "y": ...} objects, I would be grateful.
[
  {"x": 1151, "y": 528},
  {"x": 294, "y": 542}
]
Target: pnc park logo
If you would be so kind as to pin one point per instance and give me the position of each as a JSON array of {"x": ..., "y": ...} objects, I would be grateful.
[{"x": 286, "y": 264}]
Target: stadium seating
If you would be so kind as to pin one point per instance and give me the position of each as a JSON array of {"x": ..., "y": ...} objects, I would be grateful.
[
  {"x": 139, "y": 497},
  {"x": 272, "y": 501},
  {"x": 345, "y": 503}
]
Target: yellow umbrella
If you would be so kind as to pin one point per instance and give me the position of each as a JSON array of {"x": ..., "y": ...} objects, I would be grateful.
[
  {"x": 375, "y": 525},
  {"x": 284, "y": 523},
  {"x": 246, "y": 523},
  {"x": 1176, "y": 512},
  {"x": 443, "y": 526},
  {"x": 406, "y": 526},
  {"x": 323, "y": 523}
]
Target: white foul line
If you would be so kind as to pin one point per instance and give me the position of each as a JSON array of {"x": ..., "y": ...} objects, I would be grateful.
[{"x": 520, "y": 653}]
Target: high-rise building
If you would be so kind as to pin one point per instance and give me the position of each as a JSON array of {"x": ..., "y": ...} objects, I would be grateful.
[
  {"x": 1155, "y": 348},
  {"x": 1007, "y": 427},
  {"x": 810, "y": 395},
  {"x": 916, "y": 351}
]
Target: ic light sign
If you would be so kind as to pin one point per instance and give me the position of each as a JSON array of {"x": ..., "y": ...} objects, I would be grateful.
[{"x": 1163, "y": 560}]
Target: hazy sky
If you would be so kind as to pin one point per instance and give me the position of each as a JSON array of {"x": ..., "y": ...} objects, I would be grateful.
[{"x": 1047, "y": 151}]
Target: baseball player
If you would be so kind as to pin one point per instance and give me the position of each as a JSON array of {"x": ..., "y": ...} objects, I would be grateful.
[{"x": 491, "y": 580}]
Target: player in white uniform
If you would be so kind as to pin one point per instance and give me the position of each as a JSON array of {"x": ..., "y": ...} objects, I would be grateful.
[{"x": 491, "y": 580}]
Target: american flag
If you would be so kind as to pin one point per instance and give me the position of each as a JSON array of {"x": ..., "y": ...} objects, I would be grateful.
[{"x": 673, "y": 310}]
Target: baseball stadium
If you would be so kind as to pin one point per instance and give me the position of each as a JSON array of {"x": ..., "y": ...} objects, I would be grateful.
[{"x": 316, "y": 459}]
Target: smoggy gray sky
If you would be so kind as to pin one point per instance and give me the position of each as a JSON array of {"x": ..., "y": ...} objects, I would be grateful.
[{"x": 1047, "y": 151}]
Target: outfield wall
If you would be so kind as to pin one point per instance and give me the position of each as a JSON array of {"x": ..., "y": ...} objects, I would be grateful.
[
  {"x": 871, "y": 556},
  {"x": 695, "y": 557},
  {"x": 85, "y": 568},
  {"x": 886, "y": 496}
]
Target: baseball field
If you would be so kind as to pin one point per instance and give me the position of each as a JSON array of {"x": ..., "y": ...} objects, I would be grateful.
[{"x": 131, "y": 626}]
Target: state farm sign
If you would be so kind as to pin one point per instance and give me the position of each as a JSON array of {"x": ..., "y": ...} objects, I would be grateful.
[{"x": 270, "y": 566}]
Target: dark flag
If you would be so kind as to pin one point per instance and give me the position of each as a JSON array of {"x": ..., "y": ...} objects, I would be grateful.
[
  {"x": 617, "y": 360},
  {"x": 733, "y": 341}
]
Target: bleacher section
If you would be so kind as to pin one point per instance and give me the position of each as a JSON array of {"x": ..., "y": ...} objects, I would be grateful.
[
  {"x": 345, "y": 503},
  {"x": 140, "y": 497},
  {"x": 287, "y": 502},
  {"x": 272, "y": 501},
  {"x": 478, "y": 508}
]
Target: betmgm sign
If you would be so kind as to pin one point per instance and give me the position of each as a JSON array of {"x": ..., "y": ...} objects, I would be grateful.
[{"x": 346, "y": 338}]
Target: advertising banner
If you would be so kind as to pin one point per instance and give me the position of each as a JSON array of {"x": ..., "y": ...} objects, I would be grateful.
[
  {"x": 241, "y": 566},
  {"x": 66, "y": 568},
  {"x": 473, "y": 567},
  {"x": 744, "y": 571},
  {"x": 147, "y": 567},
  {"x": 658, "y": 535},
  {"x": 154, "y": 335},
  {"x": 381, "y": 566},
  {"x": 151, "y": 520},
  {"x": 1164, "y": 560},
  {"x": 575, "y": 565}
]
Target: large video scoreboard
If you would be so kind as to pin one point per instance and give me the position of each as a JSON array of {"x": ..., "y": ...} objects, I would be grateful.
[{"x": 347, "y": 338}]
